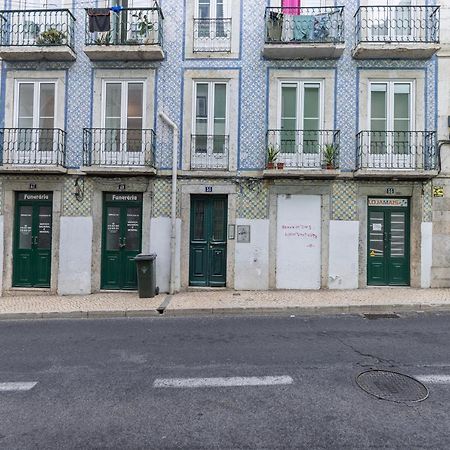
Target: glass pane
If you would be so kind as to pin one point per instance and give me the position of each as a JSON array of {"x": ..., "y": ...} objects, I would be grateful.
[
  {"x": 376, "y": 234},
  {"x": 26, "y": 100},
  {"x": 45, "y": 227},
  {"x": 204, "y": 8},
  {"x": 311, "y": 138},
  {"x": 25, "y": 122},
  {"x": 220, "y": 100},
  {"x": 311, "y": 102},
  {"x": 401, "y": 102},
  {"x": 202, "y": 109},
  {"x": 218, "y": 231},
  {"x": 46, "y": 122},
  {"x": 25, "y": 227},
  {"x": 201, "y": 143},
  {"x": 288, "y": 136},
  {"x": 378, "y": 101},
  {"x": 112, "y": 228},
  {"x": 199, "y": 220},
  {"x": 113, "y": 100},
  {"x": 219, "y": 144},
  {"x": 397, "y": 235},
  {"x": 47, "y": 100},
  {"x": 133, "y": 232},
  {"x": 46, "y": 140},
  {"x": 134, "y": 137},
  {"x": 135, "y": 99},
  {"x": 289, "y": 102},
  {"x": 112, "y": 140}
]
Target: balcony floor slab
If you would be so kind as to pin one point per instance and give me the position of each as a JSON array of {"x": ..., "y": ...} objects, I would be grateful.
[
  {"x": 394, "y": 50},
  {"x": 395, "y": 174},
  {"x": 124, "y": 52},
  {"x": 37, "y": 53},
  {"x": 126, "y": 170},
  {"x": 31, "y": 169},
  {"x": 303, "y": 51},
  {"x": 300, "y": 173}
]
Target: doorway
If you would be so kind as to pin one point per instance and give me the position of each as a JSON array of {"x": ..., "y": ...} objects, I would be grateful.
[{"x": 208, "y": 240}]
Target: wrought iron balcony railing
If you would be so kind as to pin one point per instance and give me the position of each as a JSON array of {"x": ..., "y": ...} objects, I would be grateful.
[
  {"x": 209, "y": 152},
  {"x": 116, "y": 147},
  {"x": 37, "y": 27},
  {"x": 305, "y": 149},
  {"x": 414, "y": 150},
  {"x": 126, "y": 26},
  {"x": 33, "y": 146},
  {"x": 386, "y": 24},
  {"x": 300, "y": 25},
  {"x": 212, "y": 35}
]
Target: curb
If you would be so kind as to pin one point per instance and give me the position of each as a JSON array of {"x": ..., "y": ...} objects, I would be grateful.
[{"x": 239, "y": 311}]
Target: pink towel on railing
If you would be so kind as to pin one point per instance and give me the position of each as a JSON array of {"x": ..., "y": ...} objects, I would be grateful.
[{"x": 291, "y": 7}]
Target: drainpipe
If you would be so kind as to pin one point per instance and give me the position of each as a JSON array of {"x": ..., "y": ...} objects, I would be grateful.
[{"x": 173, "y": 216}]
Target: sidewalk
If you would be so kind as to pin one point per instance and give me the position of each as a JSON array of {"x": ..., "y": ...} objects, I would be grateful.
[{"x": 120, "y": 304}]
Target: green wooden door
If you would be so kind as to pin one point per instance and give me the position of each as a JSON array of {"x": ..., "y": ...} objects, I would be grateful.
[
  {"x": 388, "y": 253},
  {"x": 32, "y": 240},
  {"x": 208, "y": 241},
  {"x": 122, "y": 237}
]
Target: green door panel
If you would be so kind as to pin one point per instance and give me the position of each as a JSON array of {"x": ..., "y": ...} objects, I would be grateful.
[
  {"x": 32, "y": 240},
  {"x": 121, "y": 241},
  {"x": 208, "y": 241},
  {"x": 388, "y": 251}
]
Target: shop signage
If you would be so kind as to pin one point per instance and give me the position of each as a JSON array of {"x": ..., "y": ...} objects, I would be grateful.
[
  {"x": 123, "y": 197},
  {"x": 389, "y": 202},
  {"x": 438, "y": 191},
  {"x": 35, "y": 196}
]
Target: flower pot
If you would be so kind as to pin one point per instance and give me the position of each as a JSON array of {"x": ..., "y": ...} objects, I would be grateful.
[
  {"x": 270, "y": 165},
  {"x": 280, "y": 165},
  {"x": 330, "y": 166}
]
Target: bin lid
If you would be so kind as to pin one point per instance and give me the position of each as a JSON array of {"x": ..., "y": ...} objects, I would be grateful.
[{"x": 143, "y": 257}]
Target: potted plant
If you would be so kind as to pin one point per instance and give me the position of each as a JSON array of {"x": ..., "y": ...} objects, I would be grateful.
[
  {"x": 103, "y": 39},
  {"x": 272, "y": 155},
  {"x": 329, "y": 156},
  {"x": 280, "y": 165},
  {"x": 52, "y": 36},
  {"x": 144, "y": 27}
]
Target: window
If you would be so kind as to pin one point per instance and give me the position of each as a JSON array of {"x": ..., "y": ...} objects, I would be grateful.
[
  {"x": 123, "y": 115},
  {"x": 35, "y": 109},
  {"x": 211, "y": 124},
  {"x": 301, "y": 117},
  {"x": 390, "y": 117}
]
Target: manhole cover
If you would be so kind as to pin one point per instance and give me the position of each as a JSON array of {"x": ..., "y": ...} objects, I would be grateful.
[{"x": 392, "y": 386}]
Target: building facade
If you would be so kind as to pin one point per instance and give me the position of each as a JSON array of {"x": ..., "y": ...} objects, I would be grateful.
[{"x": 305, "y": 136}]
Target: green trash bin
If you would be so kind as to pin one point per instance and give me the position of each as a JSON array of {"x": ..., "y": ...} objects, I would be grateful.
[{"x": 146, "y": 275}]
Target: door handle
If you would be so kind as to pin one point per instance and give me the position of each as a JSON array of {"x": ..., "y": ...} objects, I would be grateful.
[
  {"x": 34, "y": 240},
  {"x": 122, "y": 242}
]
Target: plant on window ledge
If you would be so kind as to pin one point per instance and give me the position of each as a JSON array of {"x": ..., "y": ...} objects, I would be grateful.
[
  {"x": 103, "y": 39},
  {"x": 329, "y": 156},
  {"x": 272, "y": 155},
  {"x": 52, "y": 36},
  {"x": 144, "y": 26}
]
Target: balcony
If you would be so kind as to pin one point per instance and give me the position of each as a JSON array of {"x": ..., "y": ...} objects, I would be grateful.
[
  {"x": 396, "y": 154},
  {"x": 304, "y": 33},
  {"x": 32, "y": 150},
  {"x": 129, "y": 34},
  {"x": 209, "y": 152},
  {"x": 118, "y": 151},
  {"x": 37, "y": 35},
  {"x": 212, "y": 35},
  {"x": 392, "y": 32},
  {"x": 304, "y": 153}
]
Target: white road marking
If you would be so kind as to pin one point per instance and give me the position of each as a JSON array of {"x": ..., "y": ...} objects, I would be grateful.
[
  {"x": 20, "y": 386},
  {"x": 434, "y": 379},
  {"x": 221, "y": 382}
]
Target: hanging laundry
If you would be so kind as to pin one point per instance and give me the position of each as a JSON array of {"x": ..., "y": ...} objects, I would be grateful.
[{"x": 99, "y": 19}]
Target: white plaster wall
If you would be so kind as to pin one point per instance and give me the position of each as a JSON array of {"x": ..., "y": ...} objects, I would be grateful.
[
  {"x": 299, "y": 239},
  {"x": 1, "y": 253},
  {"x": 343, "y": 262},
  {"x": 252, "y": 259},
  {"x": 75, "y": 255},
  {"x": 160, "y": 244},
  {"x": 426, "y": 254}
]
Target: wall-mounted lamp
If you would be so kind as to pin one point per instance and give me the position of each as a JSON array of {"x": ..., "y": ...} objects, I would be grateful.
[{"x": 79, "y": 189}]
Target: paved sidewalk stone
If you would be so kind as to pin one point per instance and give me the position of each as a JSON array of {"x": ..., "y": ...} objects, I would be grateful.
[{"x": 206, "y": 302}]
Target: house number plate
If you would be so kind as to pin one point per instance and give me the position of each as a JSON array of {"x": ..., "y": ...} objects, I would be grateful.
[{"x": 208, "y": 188}]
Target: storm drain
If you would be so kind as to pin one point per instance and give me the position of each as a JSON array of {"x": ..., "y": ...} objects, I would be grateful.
[
  {"x": 375, "y": 316},
  {"x": 392, "y": 386}
]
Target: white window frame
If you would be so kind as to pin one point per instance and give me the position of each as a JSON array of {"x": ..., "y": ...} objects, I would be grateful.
[
  {"x": 210, "y": 159},
  {"x": 213, "y": 9}
]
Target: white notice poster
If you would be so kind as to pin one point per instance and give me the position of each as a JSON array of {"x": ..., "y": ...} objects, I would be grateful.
[{"x": 298, "y": 242}]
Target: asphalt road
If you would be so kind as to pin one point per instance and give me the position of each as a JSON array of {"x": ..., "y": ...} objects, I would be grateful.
[{"x": 96, "y": 383}]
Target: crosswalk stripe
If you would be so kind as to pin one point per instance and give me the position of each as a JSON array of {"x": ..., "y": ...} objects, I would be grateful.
[
  {"x": 221, "y": 382},
  {"x": 17, "y": 386}
]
